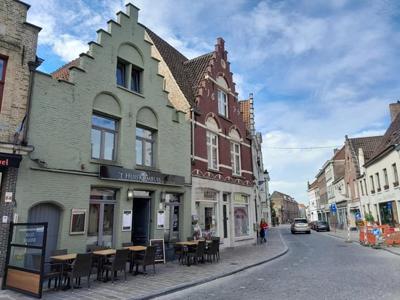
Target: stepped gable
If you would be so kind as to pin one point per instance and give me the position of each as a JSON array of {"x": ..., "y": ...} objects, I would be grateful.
[
  {"x": 389, "y": 140},
  {"x": 188, "y": 73}
]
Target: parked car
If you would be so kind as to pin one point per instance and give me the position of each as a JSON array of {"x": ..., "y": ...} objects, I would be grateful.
[
  {"x": 313, "y": 224},
  {"x": 322, "y": 226},
  {"x": 300, "y": 225}
]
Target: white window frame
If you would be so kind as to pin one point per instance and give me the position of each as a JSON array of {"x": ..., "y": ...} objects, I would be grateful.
[
  {"x": 210, "y": 147},
  {"x": 223, "y": 103},
  {"x": 235, "y": 155}
]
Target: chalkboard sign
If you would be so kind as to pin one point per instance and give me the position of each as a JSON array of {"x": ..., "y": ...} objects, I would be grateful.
[{"x": 160, "y": 249}]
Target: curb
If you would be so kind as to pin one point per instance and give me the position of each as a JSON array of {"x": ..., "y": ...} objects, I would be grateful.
[
  {"x": 390, "y": 251},
  {"x": 209, "y": 279}
]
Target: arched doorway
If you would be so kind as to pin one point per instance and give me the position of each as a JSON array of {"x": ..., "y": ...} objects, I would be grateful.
[{"x": 47, "y": 212}]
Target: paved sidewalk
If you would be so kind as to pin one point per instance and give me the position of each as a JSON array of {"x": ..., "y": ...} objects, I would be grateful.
[{"x": 172, "y": 276}]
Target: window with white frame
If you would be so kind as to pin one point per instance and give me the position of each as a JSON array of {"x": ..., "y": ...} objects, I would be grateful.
[
  {"x": 145, "y": 140},
  {"x": 385, "y": 175},
  {"x": 372, "y": 184},
  {"x": 378, "y": 182},
  {"x": 235, "y": 159},
  {"x": 212, "y": 150},
  {"x": 241, "y": 215},
  {"x": 104, "y": 137},
  {"x": 395, "y": 175},
  {"x": 222, "y": 103}
]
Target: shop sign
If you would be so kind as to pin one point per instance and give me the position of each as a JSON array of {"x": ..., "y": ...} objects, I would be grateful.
[
  {"x": 132, "y": 175},
  {"x": 9, "y": 160},
  {"x": 241, "y": 199},
  {"x": 210, "y": 194}
]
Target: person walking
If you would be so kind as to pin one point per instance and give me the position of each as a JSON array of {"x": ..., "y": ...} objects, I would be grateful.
[{"x": 263, "y": 230}]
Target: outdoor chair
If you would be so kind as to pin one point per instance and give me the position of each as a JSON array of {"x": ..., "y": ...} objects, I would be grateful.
[
  {"x": 217, "y": 238},
  {"x": 95, "y": 259},
  {"x": 149, "y": 258},
  {"x": 117, "y": 263},
  {"x": 51, "y": 271},
  {"x": 179, "y": 251},
  {"x": 81, "y": 267},
  {"x": 212, "y": 251},
  {"x": 56, "y": 267},
  {"x": 197, "y": 253}
]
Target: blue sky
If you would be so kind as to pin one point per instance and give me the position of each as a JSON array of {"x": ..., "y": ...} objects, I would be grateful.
[{"x": 318, "y": 69}]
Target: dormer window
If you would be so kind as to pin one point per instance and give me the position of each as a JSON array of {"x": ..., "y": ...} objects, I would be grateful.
[{"x": 222, "y": 103}]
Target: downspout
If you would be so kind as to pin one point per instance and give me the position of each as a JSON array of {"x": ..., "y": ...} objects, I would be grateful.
[{"x": 192, "y": 112}]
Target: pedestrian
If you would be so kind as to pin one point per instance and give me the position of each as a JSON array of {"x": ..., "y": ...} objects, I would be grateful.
[{"x": 263, "y": 230}]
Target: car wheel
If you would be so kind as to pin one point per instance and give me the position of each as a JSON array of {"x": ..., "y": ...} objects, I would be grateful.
[
  {"x": 308, "y": 232},
  {"x": 292, "y": 232}
]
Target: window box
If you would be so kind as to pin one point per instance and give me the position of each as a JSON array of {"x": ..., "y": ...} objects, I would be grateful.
[
  {"x": 372, "y": 192},
  {"x": 396, "y": 183},
  {"x": 386, "y": 187}
]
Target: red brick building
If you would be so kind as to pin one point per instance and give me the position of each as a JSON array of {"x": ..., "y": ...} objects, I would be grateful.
[{"x": 222, "y": 175}]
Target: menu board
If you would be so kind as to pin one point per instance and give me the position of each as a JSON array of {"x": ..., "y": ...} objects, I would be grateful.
[{"x": 160, "y": 249}]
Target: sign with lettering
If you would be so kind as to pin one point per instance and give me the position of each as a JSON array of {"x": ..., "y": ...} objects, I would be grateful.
[
  {"x": 160, "y": 249},
  {"x": 10, "y": 160},
  {"x": 132, "y": 175}
]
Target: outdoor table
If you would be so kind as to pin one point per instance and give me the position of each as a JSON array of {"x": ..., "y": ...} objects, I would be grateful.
[
  {"x": 134, "y": 250},
  {"x": 190, "y": 244},
  {"x": 103, "y": 254},
  {"x": 64, "y": 259}
]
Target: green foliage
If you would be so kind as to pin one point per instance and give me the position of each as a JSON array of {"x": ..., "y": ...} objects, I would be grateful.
[{"x": 369, "y": 218}]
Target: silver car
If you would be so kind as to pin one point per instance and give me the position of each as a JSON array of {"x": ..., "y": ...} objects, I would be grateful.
[{"x": 300, "y": 225}]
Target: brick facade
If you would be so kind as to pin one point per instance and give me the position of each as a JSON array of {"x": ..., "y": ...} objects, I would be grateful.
[{"x": 18, "y": 43}]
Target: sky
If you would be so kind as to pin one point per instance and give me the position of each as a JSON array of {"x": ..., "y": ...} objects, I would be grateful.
[{"x": 318, "y": 69}]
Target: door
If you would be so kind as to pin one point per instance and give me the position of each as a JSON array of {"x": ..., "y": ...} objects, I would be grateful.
[
  {"x": 47, "y": 212},
  {"x": 225, "y": 220},
  {"x": 140, "y": 221}
]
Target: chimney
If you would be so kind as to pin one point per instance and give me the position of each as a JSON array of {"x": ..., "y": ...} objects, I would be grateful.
[{"x": 394, "y": 110}]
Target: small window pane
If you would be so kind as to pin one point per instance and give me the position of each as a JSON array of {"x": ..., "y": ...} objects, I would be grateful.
[
  {"x": 2, "y": 64},
  {"x": 135, "y": 80},
  {"x": 139, "y": 153},
  {"x": 109, "y": 145},
  {"x": 96, "y": 138},
  {"x": 140, "y": 132},
  {"x": 121, "y": 74},
  {"x": 104, "y": 122},
  {"x": 148, "y": 154}
]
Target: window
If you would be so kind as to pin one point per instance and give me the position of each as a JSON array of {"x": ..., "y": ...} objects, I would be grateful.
[
  {"x": 145, "y": 147},
  {"x": 362, "y": 189},
  {"x": 222, "y": 103},
  {"x": 235, "y": 158},
  {"x": 395, "y": 175},
  {"x": 241, "y": 215},
  {"x": 385, "y": 175},
  {"x": 3, "y": 66},
  {"x": 212, "y": 150},
  {"x": 378, "y": 182},
  {"x": 365, "y": 185},
  {"x": 121, "y": 73},
  {"x": 135, "y": 80},
  {"x": 372, "y": 184},
  {"x": 128, "y": 76},
  {"x": 104, "y": 137}
]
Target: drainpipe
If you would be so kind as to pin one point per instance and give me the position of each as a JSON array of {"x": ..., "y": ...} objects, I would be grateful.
[
  {"x": 192, "y": 112},
  {"x": 33, "y": 65}
]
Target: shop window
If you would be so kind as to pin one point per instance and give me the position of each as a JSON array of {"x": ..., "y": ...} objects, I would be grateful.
[
  {"x": 235, "y": 159},
  {"x": 104, "y": 137},
  {"x": 212, "y": 150},
  {"x": 172, "y": 211},
  {"x": 241, "y": 215},
  {"x": 222, "y": 103},
  {"x": 145, "y": 140},
  {"x": 3, "y": 67}
]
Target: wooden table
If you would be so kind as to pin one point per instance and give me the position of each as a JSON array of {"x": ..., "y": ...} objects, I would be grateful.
[
  {"x": 134, "y": 250},
  {"x": 192, "y": 243},
  {"x": 64, "y": 259},
  {"x": 102, "y": 257},
  {"x": 106, "y": 252}
]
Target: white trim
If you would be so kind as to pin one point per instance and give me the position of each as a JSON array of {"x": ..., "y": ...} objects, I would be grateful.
[
  {"x": 225, "y": 167},
  {"x": 247, "y": 172},
  {"x": 219, "y": 86},
  {"x": 221, "y": 134},
  {"x": 199, "y": 158},
  {"x": 209, "y": 201}
]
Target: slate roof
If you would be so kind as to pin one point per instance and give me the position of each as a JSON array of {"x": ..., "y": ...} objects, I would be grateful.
[
  {"x": 389, "y": 140},
  {"x": 63, "y": 72},
  {"x": 187, "y": 72},
  {"x": 367, "y": 144}
]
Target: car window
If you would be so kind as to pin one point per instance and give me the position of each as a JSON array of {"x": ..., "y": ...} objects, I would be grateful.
[{"x": 300, "y": 221}]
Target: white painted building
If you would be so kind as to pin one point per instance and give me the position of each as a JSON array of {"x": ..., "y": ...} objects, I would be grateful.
[{"x": 313, "y": 200}]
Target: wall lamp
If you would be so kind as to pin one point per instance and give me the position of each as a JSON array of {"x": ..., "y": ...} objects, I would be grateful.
[{"x": 130, "y": 194}]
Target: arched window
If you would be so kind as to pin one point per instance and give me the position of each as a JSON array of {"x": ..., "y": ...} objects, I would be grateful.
[
  {"x": 129, "y": 68},
  {"x": 212, "y": 143},
  {"x": 146, "y": 137}
]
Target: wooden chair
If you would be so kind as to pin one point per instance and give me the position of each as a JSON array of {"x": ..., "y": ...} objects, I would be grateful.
[
  {"x": 149, "y": 258},
  {"x": 197, "y": 253},
  {"x": 117, "y": 263}
]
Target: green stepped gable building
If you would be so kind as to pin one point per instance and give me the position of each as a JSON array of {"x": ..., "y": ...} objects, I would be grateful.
[{"x": 111, "y": 155}]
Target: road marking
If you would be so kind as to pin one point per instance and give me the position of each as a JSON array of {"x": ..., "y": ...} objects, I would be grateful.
[
  {"x": 260, "y": 279},
  {"x": 242, "y": 287}
]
